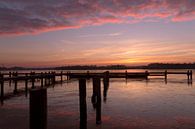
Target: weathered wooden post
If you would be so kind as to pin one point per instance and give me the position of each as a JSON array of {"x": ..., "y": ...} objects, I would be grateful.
[
  {"x": 45, "y": 76},
  {"x": 16, "y": 82},
  {"x": 68, "y": 75},
  {"x": 61, "y": 76},
  {"x": 10, "y": 81},
  {"x": 106, "y": 84},
  {"x": 83, "y": 104},
  {"x": 2, "y": 86},
  {"x": 26, "y": 84},
  {"x": 38, "y": 108},
  {"x": 146, "y": 74},
  {"x": 97, "y": 88},
  {"x": 54, "y": 77},
  {"x": 41, "y": 79},
  {"x": 33, "y": 79},
  {"x": 48, "y": 78},
  {"x": 165, "y": 74},
  {"x": 126, "y": 74},
  {"x": 188, "y": 74},
  {"x": 191, "y": 73}
]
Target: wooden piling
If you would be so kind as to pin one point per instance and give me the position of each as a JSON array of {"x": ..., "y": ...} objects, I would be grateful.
[
  {"x": 38, "y": 108},
  {"x": 97, "y": 88},
  {"x": 48, "y": 78},
  {"x": 10, "y": 81},
  {"x": 26, "y": 84},
  {"x": 165, "y": 74},
  {"x": 32, "y": 74},
  {"x": 191, "y": 73},
  {"x": 15, "y": 83},
  {"x": 83, "y": 104},
  {"x": 188, "y": 75},
  {"x": 106, "y": 84},
  {"x": 2, "y": 86},
  {"x": 41, "y": 79},
  {"x": 146, "y": 74},
  {"x": 54, "y": 78},
  {"x": 61, "y": 76},
  {"x": 45, "y": 78}
]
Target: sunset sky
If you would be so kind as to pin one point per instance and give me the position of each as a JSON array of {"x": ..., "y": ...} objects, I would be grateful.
[{"x": 69, "y": 32}]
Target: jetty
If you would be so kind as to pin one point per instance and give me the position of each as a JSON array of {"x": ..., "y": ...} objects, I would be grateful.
[{"x": 50, "y": 78}]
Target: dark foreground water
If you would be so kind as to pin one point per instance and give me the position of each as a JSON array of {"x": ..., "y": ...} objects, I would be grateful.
[{"x": 129, "y": 104}]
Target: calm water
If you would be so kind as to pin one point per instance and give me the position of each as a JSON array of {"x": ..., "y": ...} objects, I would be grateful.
[{"x": 130, "y": 104}]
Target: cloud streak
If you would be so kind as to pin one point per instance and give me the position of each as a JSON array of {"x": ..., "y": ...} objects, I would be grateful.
[{"x": 36, "y": 16}]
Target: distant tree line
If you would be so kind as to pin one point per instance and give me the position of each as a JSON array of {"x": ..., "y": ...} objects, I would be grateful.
[
  {"x": 110, "y": 67},
  {"x": 171, "y": 66}
]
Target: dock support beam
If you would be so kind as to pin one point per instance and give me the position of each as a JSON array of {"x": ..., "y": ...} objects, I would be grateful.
[
  {"x": 61, "y": 76},
  {"x": 106, "y": 84},
  {"x": 83, "y": 104},
  {"x": 191, "y": 73},
  {"x": 2, "y": 87},
  {"x": 146, "y": 74},
  {"x": 10, "y": 81},
  {"x": 15, "y": 83},
  {"x": 41, "y": 79},
  {"x": 26, "y": 85},
  {"x": 38, "y": 108},
  {"x": 97, "y": 91}
]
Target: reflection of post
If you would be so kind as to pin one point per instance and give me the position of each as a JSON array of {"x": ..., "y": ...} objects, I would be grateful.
[
  {"x": 38, "y": 108},
  {"x": 83, "y": 105},
  {"x": 96, "y": 84}
]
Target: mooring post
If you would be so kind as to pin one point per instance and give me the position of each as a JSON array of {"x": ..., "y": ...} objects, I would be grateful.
[
  {"x": 49, "y": 81},
  {"x": 146, "y": 74},
  {"x": 97, "y": 88},
  {"x": 54, "y": 77},
  {"x": 61, "y": 76},
  {"x": 165, "y": 74},
  {"x": 41, "y": 79},
  {"x": 16, "y": 82},
  {"x": 83, "y": 104},
  {"x": 38, "y": 108},
  {"x": 106, "y": 84},
  {"x": 188, "y": 74},
  {"x": 68, "y": 75},
  {"x": 191, "y": 73},
  {"x": 26, "y": 84},
  {"x": 33, "y": 79},
  {"x": 45, "y": 77},
  {"x": 10, "y": 81},
  {"x": 2, "y": 86}
]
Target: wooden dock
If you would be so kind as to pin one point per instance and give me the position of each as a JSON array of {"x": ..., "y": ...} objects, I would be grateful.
[{"x": 49, "y": 78}]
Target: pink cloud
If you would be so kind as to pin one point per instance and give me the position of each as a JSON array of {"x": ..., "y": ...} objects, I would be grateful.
[{"x": 36, "y": 16}]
